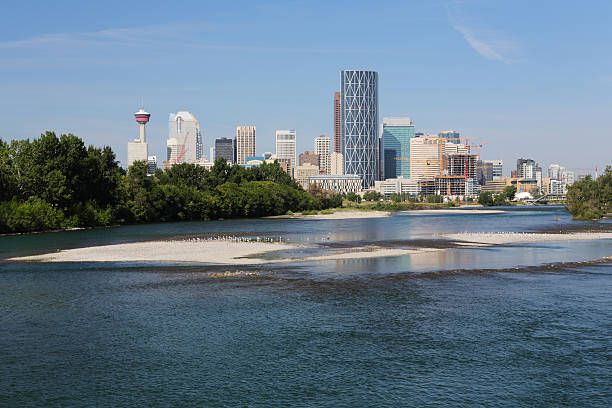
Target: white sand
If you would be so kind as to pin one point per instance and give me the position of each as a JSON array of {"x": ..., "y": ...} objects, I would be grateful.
[
  {"x": 515, "y": 237},
  {"x": 219, "y": 252},
  {"x": 452, "y": 211},
  {"x": 216, "y": 252}
]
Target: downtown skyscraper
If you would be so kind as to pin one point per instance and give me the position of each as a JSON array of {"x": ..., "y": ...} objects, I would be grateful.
[
  {"x": 184, "y": 143},
  {"x": 396, "y": 134},
  {"x": 359, "y": 127}
]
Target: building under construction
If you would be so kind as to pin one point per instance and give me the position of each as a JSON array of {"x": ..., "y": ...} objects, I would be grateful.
[{"x": 458, "y": 178}]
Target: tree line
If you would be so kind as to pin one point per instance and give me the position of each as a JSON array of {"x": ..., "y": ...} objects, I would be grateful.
[
  {"x": 590, "y": 199},
  {"x": 57, "y": 182}
]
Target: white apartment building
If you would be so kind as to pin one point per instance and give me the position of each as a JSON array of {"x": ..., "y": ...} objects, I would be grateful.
[
  {"x": 336, "y": 163},
  {"x": 322, "y": 148},
  {"x": 286, "y": 148},
  {"x": 245, "y": 143}
]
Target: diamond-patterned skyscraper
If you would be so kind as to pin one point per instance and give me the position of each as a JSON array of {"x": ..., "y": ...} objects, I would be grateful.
[{"x": 359, "y": 98}]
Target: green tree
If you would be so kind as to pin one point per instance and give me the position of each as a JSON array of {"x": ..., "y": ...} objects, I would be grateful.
[
  {"x": 590, "y": 199},
  {"x": 356, "y": 198},
  {"x": 372, "y": 196},
  {"x": 486, "y": 198},
  {"x": 509, "y": 192}
]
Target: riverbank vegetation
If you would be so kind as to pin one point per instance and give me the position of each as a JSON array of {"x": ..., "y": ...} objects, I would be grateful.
[
  {"x": 590, "y": 199},
  {"x": 487, "y": 198},
  {"x": 57, "y": 182}
]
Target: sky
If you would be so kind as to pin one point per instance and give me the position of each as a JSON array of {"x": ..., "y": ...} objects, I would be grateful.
[{"x": 522, "y": 78}]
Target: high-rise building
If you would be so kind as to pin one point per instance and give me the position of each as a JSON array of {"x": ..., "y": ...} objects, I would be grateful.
[
  {"x": 286, "y": 148},
  {"x": 172, "y": 150},
  {"x": 244, "y": 145},
  {"x": 186, "y": 130},
  {"x": 526, "y": 168},
  {"x": 451, "y": 135},
  {"x": 424, "y": 158},
  {"x": 360, "y": 144},
  {"x": 322, "y": 148},
  {"x": 224, "y": 148},
  {"x": 336, "y": 164},
  {"x": 337, "y": 123},
  {"x": 152, "y": 162},
  {"x": 308, "y": 157},
  {"x": 138, "y": 149},
  {"x": 396, "y": 135},
  {"x": 489, "y": 170}
]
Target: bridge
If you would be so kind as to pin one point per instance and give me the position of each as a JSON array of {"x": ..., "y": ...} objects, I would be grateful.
[{"x": 546, "y": 198}]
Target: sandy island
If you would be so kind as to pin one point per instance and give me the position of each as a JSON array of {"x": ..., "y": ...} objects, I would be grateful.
[
  {"x": 210, "y": 252},
  {"x": 517, "y": 237}
]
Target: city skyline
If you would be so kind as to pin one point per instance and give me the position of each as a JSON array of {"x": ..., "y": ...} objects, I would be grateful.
[{"x": 482, "y": 71}]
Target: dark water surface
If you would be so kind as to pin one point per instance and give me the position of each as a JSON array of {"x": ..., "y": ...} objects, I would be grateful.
[{"x": 461, "y": 327}]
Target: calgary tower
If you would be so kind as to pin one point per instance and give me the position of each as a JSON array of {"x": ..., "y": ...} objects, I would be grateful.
[
  {"x": 138, "y": 150},
  {"x": 142, "y": 118}
]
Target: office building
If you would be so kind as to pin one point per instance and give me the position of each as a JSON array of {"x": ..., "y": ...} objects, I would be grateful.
[
  {"x": 337, "y": 123},
  {"x": 224, "y": 148},
  {"x": 308, "y": 158},
  {"x": 342, "y": 184},
  {"x": 336, "y": 163},
  {"x": 489, "y": 170},
  {"x": 138, "y": 149},
  {"x": 152, "y": 164},
  {"x": 185, "y": 130},
  {"x": 526, "y": 168},
  {"x": 424, "y": 158},
  {"x": 286, "y": 148},
  {"x": 396, "y": 135},
  {"x": 302, "y": 173},
  {"x": 359, "y": 125},
  {"x": 323, "y": 149},
  {"x": 244, "y": 145},
  {"x": 397, "y": 185}
]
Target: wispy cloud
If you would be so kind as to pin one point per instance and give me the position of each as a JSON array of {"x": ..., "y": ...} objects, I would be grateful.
[
  {"x": 114, "y": 36},
  {"x": 489, "y": 44}
]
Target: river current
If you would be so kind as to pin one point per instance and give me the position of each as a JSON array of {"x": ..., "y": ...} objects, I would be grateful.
[{"x": 522, "y": 325}]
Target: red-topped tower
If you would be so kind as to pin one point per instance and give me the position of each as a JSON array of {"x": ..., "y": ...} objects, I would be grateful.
[{"x": 142, "y": 118}]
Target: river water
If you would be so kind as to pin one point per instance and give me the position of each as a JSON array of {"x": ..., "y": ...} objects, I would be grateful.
[{"x": 519, "y": 325}]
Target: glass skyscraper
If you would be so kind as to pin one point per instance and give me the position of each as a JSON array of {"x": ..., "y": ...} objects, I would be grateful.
[
  {"x": 359, "y": 105},
  {"x": 396, "y": 134}
]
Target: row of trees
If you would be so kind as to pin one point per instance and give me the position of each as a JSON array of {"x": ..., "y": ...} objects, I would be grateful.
[
  {"x": 487, "y": 198},
  {"x": 56, "y": 182},
  {"x": 590, "y": 199}
]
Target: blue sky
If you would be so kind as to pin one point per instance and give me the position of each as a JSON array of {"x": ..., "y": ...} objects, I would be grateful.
[{"x": 530, "y": 78}]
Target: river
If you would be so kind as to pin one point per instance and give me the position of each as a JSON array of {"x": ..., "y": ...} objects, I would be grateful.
[{"x": 519, "y": 325}]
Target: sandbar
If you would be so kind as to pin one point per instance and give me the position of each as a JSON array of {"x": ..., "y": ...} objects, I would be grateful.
[
  {"x": 517, "y": 237},
  {"x": 216, "y": 252},
  {"x": 206, "y": 251}
]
